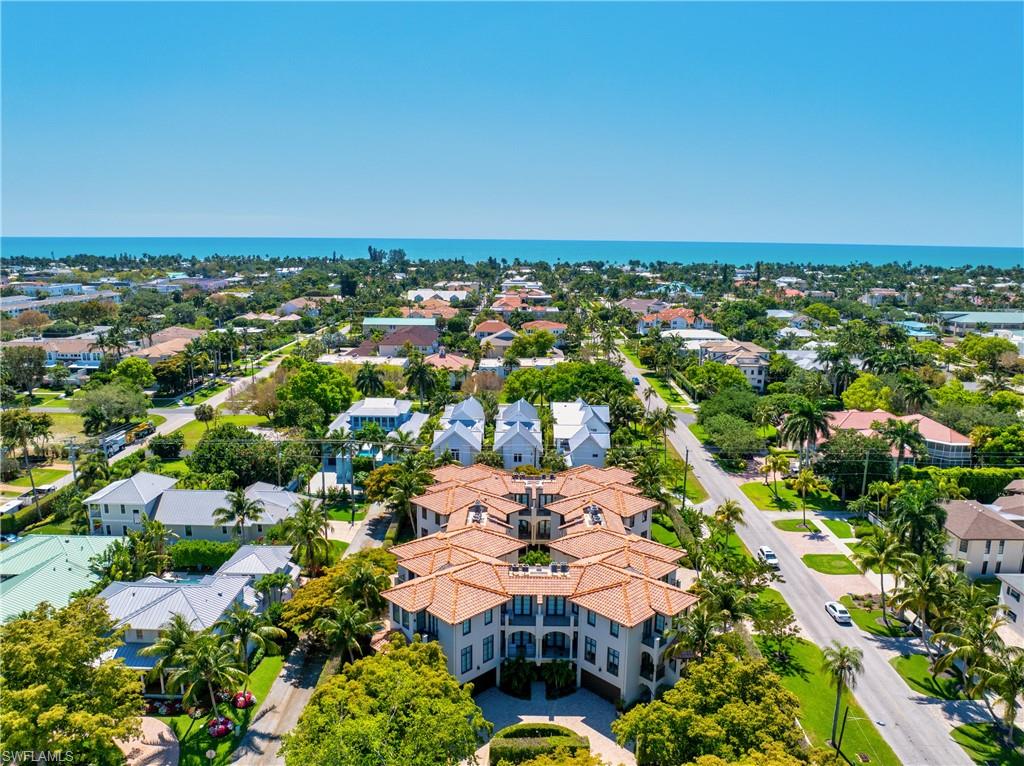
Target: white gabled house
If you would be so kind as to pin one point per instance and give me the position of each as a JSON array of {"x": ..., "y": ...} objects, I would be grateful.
[
  {"x": 581, "y": 432},
  {"x": 517, "y": 435},
  {"x": 461, "y": 431}
]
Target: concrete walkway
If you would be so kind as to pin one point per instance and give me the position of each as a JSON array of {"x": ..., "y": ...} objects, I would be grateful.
[
  {"x": 155, "y": 746},
  {"x": 582, "y": 711},
  {"x": 280, "y": 711}
]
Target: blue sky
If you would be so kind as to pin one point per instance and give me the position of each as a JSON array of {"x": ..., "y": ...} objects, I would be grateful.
[{"x": 792, "y": 122}]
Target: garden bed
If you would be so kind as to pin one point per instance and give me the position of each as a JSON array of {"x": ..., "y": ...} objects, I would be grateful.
[{"x": 525, "y": 741}]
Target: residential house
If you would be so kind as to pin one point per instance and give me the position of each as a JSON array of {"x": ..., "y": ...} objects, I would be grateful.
[
  {"x": 517, "y": 435},
  {"x": 963, "y": 322},
  {"x": 190, "y": 513},
  {"x": 604, "y": 604},
  {"x": 946, "y": 447},
  {"x": 50, "y": 568},
  {"x": 461, "y": 431},
  {"x": 430, "y": 293},
  {"x": 174, "y": 333},
  {"x": 16, "y": 305},
  {"x": 748, "y": 358},
  {"x": 581, "y": 432},
  {"x": 303, "y": 306},
  {"x": 494, "y": 346},
  {"x": 555, "y": 328},
  {"x": 876, "y": 296},
  {"x": 673, "y": 319},
  {"x": 49, "y": 288},
  {"x": 458, "y": 367},
  {"x": 257, "y": 561},
  {"x": 430, "y": 309},
  {"x": 77, "y": 354},
  {"x": 122, "y": 505},
  {"x": 643, "y": 305},
  {"x": 394, "y": 416},
  {"x": 160, "y": 352},
  {"x": 423, "y": 339},
  {"x": 1011, "y": 586},
  {"x": 489, "y": 327},
  {"x": 391, "y": 324},
  {"x": 984, "y": 542}
]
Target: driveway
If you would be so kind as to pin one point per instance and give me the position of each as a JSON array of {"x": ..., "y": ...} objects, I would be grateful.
[
  {"x": 918, "y": 733},
  {"x": 582, "y": 711},
  {"x": 156, "y": 745}
]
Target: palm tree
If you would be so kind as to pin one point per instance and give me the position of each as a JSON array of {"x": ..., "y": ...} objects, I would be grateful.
[
  {"x": 400, "y": 443},
  {"x": 650, "y": 477},
  {"x": 365, "y": 584},
  {"x": 914, "y": 391},
  {"x": 807, "y": 481},
  {"x": 411, "y": 479},
  {"x": 774, "y": 465},
  {"x": 883, "y": 552},
  {"x": 663, "y": 420},
  {"x": 272, "y": 585},
  {"x": 241, "y": 510},
  {"x": 693, "y": 632},
  {"x": 419, "y": 377},
  {"x": 804, "y": 425},
  {"x": 900, "y": 434},
  {"x": 205, "y": 661},
  {"x": 306, "y": 531},
  {"x": 174, "y": 636},
  {"x": 972, "y": 643},
  {"x": 918, "y": 518},
  {"x": 884, "y": 493},
  {"x": 843, "y": 664},
  {"x": 727, "y": 597},
  {"x": 344, "y": 627},
  {"x": 729, "y": 514},
  {"x": 245, "y": 630},
  {"x": 1004, "y": 677},
  {"x": 920, "y": 589},
  {"x": 369, "y": 380}
]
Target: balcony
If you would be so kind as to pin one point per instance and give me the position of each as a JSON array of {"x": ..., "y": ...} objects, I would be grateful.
[
  {"x": 556, "y": 653},
  {"x": 527, "y": 651},
  {"x": 649, "y": 641},
  {"x": 557, "y": 620},
  {"x": 522, "y": 619}
]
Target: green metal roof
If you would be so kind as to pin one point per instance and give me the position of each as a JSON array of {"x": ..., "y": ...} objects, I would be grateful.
[{"x": 50, "y": 568}]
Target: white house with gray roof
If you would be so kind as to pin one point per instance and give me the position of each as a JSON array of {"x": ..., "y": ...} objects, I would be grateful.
[
  {"x": 121, "y": 505},
  {"x": 517, "y": 435},
  {"x": 581, "y": 432},
  {"x": 461, "y": 431},
  {"x": 258, "y": 560},
  {"x": 189, "y": 513}
]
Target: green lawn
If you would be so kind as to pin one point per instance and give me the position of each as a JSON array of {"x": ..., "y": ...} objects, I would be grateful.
[
  {"x": 338, "y": 549},
  {"x": 338, "y": 513},
  {"x": 840, "y": 528},
  {"x": 194, "y": 430},
  {"x": 43, "y": 476},
  {"x": 664, "y": 536},
  {"x": 66, "y": 424},
  {"x": 830, "y": 563},
  {"x": 737, "y": 545},
  {"x": 174, "y": 465},
  {"x": 772, "y": 596},
  {"x": 666, "y": 392},
  {"x": 698, "y": 430},
  {"x": 869, "y": 620},
  {"x": 803, "y": 676},
  {"x": 795, "y": 525},
  {"x": 984, "y": 744},
  {"x": 49, "y": 528},
  {"x": 158, "y": 420},
  {"x": 916, "y": 671},
  {"x": 788, "y": 500},
  {"x": 195, "y": 744},
  {"x": 695, "y": 492},
  {"x": 205, "y": 393}
]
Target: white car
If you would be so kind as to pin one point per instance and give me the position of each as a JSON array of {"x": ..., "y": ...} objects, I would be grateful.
[
  {"x": 767, "y": 555},
  {"x": 838, "y": 612}
]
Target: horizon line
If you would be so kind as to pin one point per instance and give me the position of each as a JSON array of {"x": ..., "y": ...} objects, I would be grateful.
[{"x": 1019, "y": 247}]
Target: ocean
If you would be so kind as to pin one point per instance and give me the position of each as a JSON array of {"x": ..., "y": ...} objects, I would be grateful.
[{"x": 552, "y": 251}]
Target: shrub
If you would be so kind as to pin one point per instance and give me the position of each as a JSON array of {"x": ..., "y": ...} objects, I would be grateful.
[
  {"x": 11, "y": 523},
  {"x": 201, "y": 554},
  {"x": 168, "y": 447},
  {"x": 982, "y": 484},
  {"x": 524, "y": 742}
]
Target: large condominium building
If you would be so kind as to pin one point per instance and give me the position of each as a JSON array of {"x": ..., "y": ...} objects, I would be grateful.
[{"x": 604, "y": 604}]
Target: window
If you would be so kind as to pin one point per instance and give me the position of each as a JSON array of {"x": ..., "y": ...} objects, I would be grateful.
[
  {"x": 963, "y": 546},
  {"x": 988, "y": 546},
  {"x": 405, "y": 619},
  {"x": 517, "y": 457},
  {"x": 467, "y": 659},
  {"x": 437, "y": 519},
  {"x": 488, "y": 617},
  {"x": 223, "y": 530},
  {"x": 139, "y": 634},
  {"x": 424, "y": 512},
  {"x": 1011, "y": 615},
  {"x": 1015, "y": 595},
  {"x": 106, "y": 508},
  {"x": 999, "y": 566},
  {"x": 396, "y": 613},
  {"x": 457, "y": 458},
  {"x": 644, "y": 516},
  {"x": 488, "y": 649},
  {"x": 591, "y": 617},
  {"x": 124, "y": 530},
  {"x": 1002, "y": 546},
  {"x": 554, "y": 605},
  {"x": 613, "y": 662},
  {"x": 259, "y": 527},
  {"x": 467, "y": 625},
  {"x": 613, "y": 628},
  {"x": 122, "y": 510},
  {"x": 522, "y": 605},
  {"x": 188, "y": 531},
  {"x": 984, "y": 567},
  {"x": 590, "y": 650}
]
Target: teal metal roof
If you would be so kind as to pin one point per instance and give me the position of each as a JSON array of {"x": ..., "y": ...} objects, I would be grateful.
[{"x": 50, "y": 568}]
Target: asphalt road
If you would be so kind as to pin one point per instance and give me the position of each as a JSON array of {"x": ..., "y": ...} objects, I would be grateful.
[{"x": 912, "y": 725}]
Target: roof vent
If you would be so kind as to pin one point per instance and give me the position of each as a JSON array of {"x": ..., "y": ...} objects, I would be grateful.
[{"x": 554, "y": 569}]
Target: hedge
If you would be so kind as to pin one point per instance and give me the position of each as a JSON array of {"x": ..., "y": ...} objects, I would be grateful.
[
  {"x": 392, "y": 533},
  {"x": 982, "y": 484},
  {"x": 11, "y": 523},
  {"x": 524, "y": 742},
  {"x": 201, "y": 554}
]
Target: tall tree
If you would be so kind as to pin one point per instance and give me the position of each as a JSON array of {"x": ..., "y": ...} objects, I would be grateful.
[
  {"x": 843, "y": 664},
  {"x": 240, "y": 511},
  {"x": 885, "y": 553},
  {"x": 306, "y": 531},
  {"x": 206, "y": 664},
  {"x": 247, "y": 631},
  {"x": 804, "y": 425},
  {"x": 901, "y": 435}
]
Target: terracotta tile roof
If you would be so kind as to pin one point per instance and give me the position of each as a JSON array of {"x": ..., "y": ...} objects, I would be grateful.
[
  {"x": 464, "y": 474},
  {"x": 543, "y": 324},
  {"x": 862, "y": 420},
  {"x": 449, "y": 362},
  {"x": 622, "y": 504},
  {"x": 447, "y": 501},
  {"x": 491, "y": 326},
  {"x": 596, "y": 542}
]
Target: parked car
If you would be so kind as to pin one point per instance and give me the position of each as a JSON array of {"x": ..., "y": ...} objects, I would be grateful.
[
  {"x": 636, "y": 381},
  {"x": 838, "y": 612},
  {"x": 11, "y": 538},
  {"x": 767, "y": 555}
]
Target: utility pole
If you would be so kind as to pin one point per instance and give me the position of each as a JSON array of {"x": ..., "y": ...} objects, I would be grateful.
[
  {"x": 72, "y": 458},
  {"x": 864, "y": 479},
  {"x": 279, "y": 462}
]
